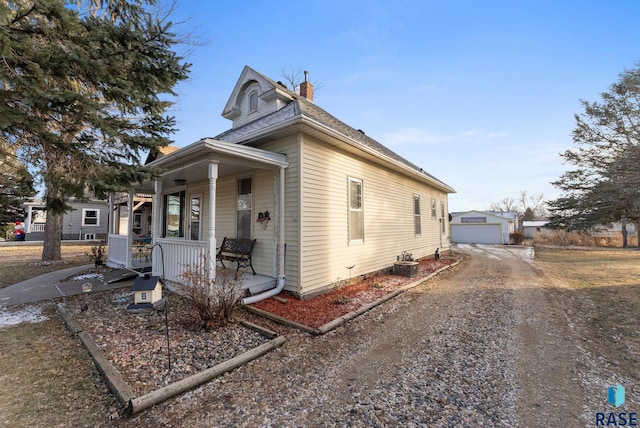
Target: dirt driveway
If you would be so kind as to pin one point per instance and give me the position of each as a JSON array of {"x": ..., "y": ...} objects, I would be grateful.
[{"x": 488, "y": 343}]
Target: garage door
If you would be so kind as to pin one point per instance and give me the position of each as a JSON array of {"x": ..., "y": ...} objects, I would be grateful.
[{"x": 476, "y": 233}]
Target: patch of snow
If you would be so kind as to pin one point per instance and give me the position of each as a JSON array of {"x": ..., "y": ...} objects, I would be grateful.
[
  {"x": 87, "y": 276},
  {"x": 31, "y": 314}
]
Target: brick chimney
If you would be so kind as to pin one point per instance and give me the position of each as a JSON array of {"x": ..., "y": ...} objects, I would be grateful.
[{"x": 306, "y": 88}]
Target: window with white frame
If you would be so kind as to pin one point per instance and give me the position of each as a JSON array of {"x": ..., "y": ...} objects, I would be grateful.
[
  {"x": 174, "y": 214},
  {"x": 442, "y": 219},
  {"x": 244, "y": 209},
  {"x": 417, "y": 225},
  {"x": 433, "y": 209},
  {"x": 356, "y": 211},
  {"x": 90, "y": 217},
  {"x": 253, "y": 101}
]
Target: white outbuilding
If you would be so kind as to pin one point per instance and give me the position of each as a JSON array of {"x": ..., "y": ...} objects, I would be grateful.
[
  {"x": 482, "y": 227},
  {"x": 532, "y": 228}
]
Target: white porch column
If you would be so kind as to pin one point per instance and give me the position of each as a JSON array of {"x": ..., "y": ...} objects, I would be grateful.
[
  {"x": 156, "y": 222},
  {"x": 129, "y": 229},
  {"x": 213, "y": 178},
  {"x": 110, "y": 219},
  {"x": 27, "y": 221}
]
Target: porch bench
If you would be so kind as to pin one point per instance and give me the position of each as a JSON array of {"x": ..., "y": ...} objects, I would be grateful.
[{"x": 236, "y": 250}]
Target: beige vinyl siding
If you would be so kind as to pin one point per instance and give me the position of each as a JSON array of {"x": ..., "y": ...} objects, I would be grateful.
[
  {"x": 264, "y": 200},
  {"x": 226, "y": 207},
  {"x": 291, "y": 148},
  {"x": 388, "y": 217}
]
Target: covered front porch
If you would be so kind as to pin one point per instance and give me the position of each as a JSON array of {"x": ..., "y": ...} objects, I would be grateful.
[{"x": 207, "y": 191}]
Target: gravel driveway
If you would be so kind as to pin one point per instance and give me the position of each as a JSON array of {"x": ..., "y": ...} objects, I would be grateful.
[{"x": 483, "y": 344}]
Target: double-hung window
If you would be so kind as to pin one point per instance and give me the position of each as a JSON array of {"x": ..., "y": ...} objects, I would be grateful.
[
  {"x": 356, "y": 212},
  {"x": 244, "y": 209},
  {"x": 90, "y": 217},
  {"x": 417, "y": 226}
]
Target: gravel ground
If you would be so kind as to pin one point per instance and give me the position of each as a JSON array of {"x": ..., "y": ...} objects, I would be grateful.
[
  {"x": 483, "y": 344},
  {"x": 136, "y": 342}
]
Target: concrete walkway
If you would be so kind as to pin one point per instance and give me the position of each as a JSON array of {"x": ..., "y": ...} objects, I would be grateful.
[{"x": 54, "y": 285}]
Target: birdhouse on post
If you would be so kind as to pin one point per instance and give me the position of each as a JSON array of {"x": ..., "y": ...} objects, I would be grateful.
[{"x": 147, "y": 291}]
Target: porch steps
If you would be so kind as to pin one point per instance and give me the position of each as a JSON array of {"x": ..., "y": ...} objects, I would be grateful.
[{"x": 122, "y": 274}]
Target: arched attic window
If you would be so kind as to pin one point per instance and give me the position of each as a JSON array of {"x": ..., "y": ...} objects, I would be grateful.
[{"x": 253, "y": 101}]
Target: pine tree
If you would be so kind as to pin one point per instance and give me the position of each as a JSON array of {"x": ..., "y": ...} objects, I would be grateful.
[
  {"x": 16, "y": 186},
  {"x": 84, "y": 91},
  {"x": 604, "y": 185}
]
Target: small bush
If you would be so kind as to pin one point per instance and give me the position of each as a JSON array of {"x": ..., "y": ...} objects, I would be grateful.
[
  {"x": 516, "y": 237},
  {"x": 341, "y": 300},
  {"x": 214, "y": 300},
  {"x": 97, "y": 253}
]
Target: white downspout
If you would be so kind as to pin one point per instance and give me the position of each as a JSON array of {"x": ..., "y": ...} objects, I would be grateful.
[{"x": 281, "y": 275}]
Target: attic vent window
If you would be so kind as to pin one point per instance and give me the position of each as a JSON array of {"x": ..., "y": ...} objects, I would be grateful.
[{"x": 253, "y": 101}]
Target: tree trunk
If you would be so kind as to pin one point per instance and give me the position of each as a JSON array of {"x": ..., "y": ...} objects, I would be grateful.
[
  {"x": 623, "y": 222},
  {"x": 52, "y": 238}
]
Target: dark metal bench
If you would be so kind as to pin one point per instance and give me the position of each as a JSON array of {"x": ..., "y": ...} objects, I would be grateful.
[{"x": 236, "y": 250}]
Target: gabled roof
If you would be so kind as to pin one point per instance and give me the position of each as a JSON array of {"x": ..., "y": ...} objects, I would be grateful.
[
  {"x": 160, "y": 152},
  {"x": 501, "y": 215},
  {"x": 535, "y": 223},
  {"x": 300, "y": 111}
]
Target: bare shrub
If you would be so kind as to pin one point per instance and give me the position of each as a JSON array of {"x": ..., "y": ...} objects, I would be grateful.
[
  {"x": 516, "y": 237},
  {"x": 580, "y": 239},
  {"x": 214, "y": 299}
]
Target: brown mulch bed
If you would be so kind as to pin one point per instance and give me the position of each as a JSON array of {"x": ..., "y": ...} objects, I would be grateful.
[
  {"x": 136, "y": 342},
  {"x": 324, "y": 308}
]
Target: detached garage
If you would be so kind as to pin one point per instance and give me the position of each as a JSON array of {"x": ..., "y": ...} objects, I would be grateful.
[{"x": 480, "y": 227}]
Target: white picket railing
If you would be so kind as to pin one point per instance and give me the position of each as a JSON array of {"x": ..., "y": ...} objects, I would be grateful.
[
  {"x": 178, "y": 254},
  {"x": 36, "y": 227}
]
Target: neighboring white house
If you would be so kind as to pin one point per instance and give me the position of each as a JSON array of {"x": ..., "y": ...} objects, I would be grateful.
[
  {"x": 482, "y": 227},
  {"x": 532, "y": 228}
]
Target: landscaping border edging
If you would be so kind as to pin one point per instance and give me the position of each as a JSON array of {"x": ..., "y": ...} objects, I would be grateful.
[
  {"x": 143, "y": 402},
  {"x": 134, "y": 404},
  {"x": 333, "y": 324},
  {"x": 116, "y": 383}
]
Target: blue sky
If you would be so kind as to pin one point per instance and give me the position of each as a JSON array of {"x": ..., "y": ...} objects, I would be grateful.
[{"x": 481, "y": 94}]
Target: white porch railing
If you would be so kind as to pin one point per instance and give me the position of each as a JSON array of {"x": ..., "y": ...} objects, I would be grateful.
[
  {"x": 36, "y": 227},
  {"x": 118, "y": 248},
  {"x": 178, "y": 254}
]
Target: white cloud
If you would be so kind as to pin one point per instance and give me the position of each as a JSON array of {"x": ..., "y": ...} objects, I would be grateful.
[{"x": 414, "y": 135}]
